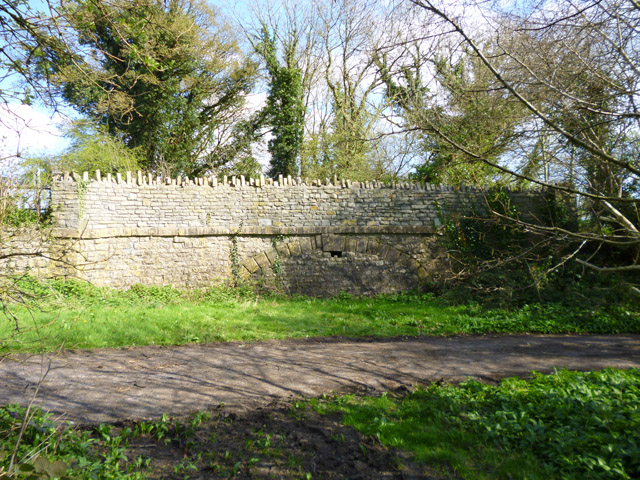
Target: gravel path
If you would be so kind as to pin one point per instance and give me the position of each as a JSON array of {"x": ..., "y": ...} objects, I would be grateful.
[{"x": 95, "y": 386}]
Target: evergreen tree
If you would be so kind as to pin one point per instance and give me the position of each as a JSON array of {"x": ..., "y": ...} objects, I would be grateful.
[
  {"x": 285, "y": 106},
  {"x": 165, "y": 76}
]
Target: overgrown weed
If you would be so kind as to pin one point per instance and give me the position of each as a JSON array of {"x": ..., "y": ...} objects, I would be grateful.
[{"x": 570, "y": 425}]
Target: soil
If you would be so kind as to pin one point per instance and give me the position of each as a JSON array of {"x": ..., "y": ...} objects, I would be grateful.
[
  {"x": 248, "y": 388},
  {"x": 94, "y": 386},
  {"x": 273, "y": 441}
]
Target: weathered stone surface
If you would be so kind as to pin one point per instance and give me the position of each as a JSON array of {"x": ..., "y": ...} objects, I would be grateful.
[
  {"x": 251, "y": 265},
  {"x": 272, "y": 255},
  {"x": 333, "y": 243},
  {"x": 294, "y": 248},
  {"x": 361, "y": 245},
  {"x": 283, "y": 249},
  {"x": 363, "y": 238},
  {"x": 261, "y": 260},
  {"x": 297, "y": 206},
  {"x": 306, "y": 244},
  {"x": 392, "y": 255}
]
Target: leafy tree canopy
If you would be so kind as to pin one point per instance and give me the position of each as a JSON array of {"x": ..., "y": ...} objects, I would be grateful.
[
  {"x": 92, "y": 148},
  {"x": 165, "y": 76}
]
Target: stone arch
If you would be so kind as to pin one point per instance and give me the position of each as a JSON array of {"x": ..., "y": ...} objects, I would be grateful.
[{"x": 346, "y": 260}]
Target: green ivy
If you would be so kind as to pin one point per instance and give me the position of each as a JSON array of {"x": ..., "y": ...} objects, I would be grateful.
[
  {"x": 82, "y": 188},
  {"x": 234, "y": 256},
  {"x": 285, "y": 104}
]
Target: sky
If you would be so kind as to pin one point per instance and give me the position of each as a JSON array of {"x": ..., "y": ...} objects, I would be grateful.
[{"x": 27, "y": 131}]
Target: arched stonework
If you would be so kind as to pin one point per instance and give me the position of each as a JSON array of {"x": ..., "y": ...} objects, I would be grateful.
[
  {"x": 340, "y": 235},
  {"x": 326, "y": 265}
]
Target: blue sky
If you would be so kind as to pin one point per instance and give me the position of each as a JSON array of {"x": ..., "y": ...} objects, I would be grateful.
[{"x": 28, "y": 130}]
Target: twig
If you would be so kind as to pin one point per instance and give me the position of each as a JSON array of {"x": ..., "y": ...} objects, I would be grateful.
[
  {"x": 567, "y": 258},
  {"x": 625, "y": 268},
  {"x": 26, "y": 418}
]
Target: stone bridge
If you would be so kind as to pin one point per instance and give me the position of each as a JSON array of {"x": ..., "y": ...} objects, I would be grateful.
[{"x": 315, "y": 238}]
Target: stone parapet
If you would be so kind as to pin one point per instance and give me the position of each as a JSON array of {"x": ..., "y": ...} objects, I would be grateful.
[
  {"x": 261, "y": 206},
  {"x": 311, "y": 237},
  {"x": 243, "y": 231}
]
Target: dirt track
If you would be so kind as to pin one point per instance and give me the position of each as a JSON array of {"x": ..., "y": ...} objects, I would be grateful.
[{"x": 141, "y": 383}]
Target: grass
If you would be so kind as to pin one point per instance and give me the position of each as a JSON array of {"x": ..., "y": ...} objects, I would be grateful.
[
  {"x": 569, "y": 425},
  {"x": 566, "y": 425},
  {"x": 78, "y": 315}
]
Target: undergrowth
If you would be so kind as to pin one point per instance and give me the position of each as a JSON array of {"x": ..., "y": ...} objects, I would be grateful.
[
  {"x": 497, "y": 262},
  {"x": 38, "y": 448},
  {"x": 569, "y": 425}
]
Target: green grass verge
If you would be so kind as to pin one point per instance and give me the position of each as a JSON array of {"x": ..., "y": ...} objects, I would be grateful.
[
  {"x": 78, "y": 315},
  {"x": 566, "y": 425}
]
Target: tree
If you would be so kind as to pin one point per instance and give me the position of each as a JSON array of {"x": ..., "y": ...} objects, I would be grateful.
[
  {"x": 285, "y": 104},
  {"x": 331, "y": 45},
  {"x": 91, "y": 149},
  {"x": 165, "y": 76},
  {"x": 347, "y": 32},
  {"x": 474, "y": 114},
  {"x": 24, "y": 35},
  {"x": 575, "y": 70}
]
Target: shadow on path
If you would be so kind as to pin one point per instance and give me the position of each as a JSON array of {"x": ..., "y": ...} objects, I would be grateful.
[{"x": 142, "y": 383}]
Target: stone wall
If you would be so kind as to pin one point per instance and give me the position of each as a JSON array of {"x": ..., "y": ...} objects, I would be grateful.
[
  {"x": 29, "y": 250},
  {"x": 108, "y": 204},
  {"x": 316, "y": 238}
]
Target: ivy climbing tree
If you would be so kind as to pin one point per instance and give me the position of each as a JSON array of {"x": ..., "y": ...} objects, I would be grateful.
[
  {"x": 166, "y": 78},
  {"x": 285, "y": 103}
]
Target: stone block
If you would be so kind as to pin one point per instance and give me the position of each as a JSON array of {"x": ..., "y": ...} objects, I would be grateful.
[
  {"x": 393, "y": 255},
  {"x": 272, "y": 255},
  {"x": 306, "y": 245},
  {"x": 333, "y": 243},
  {"x": 283, "y": 249},
  {"x": 251, "y": 265},
  {"x": 373, "y": 247},
  {"x": 361, "y": 245},
  {"x": 294, "y": 248},
  {"x": 262, "y": 260},
  {"x": 383, "y": 250}
]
